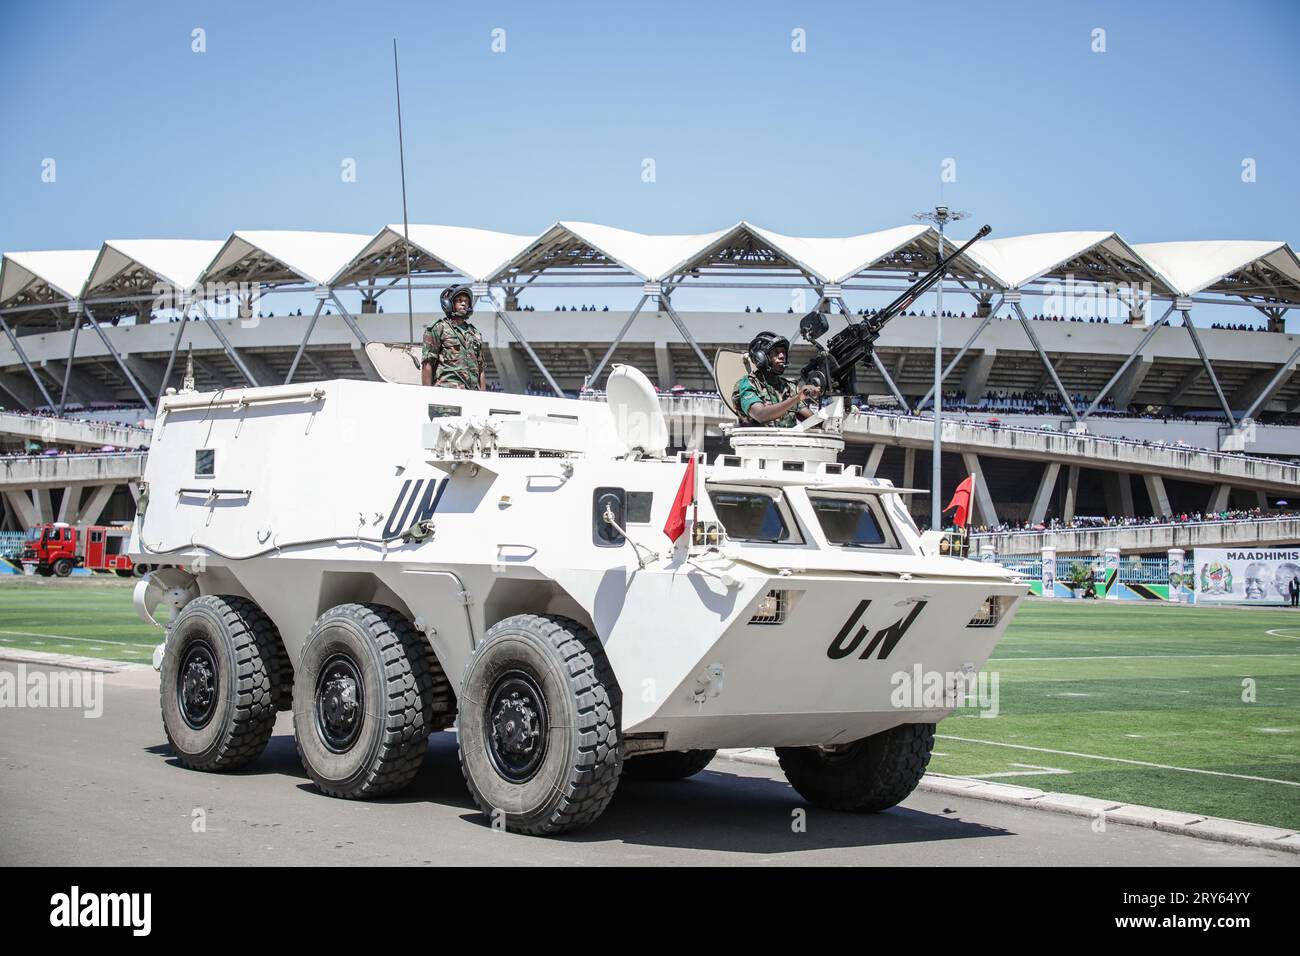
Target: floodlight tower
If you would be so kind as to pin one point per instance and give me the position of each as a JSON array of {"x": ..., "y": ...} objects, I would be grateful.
[{"x": 940, "y": 216}]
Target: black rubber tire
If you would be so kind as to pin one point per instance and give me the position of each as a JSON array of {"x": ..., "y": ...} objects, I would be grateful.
[
  {"x": 122, "y": 572},
  {"x": 399, "y": 685},
  {"x": 284, "y": 685},
  {"x": 582, "y": 755},
  {"x": 244, "y": 645},
  {"x": 866, "y": 776},
  {"x": 139, "y": 570},
  {"x": 668, "y": 765},
  {"x": 62, "y": 568}
]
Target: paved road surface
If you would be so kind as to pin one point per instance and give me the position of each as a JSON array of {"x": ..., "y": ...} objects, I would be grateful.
[{"x": 104, "y": 791}]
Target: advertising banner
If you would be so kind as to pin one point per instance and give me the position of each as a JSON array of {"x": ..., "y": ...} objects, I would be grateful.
[{"x": 1245, "y": 575}]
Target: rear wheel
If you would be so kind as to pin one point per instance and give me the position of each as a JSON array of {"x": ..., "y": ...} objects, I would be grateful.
[
  {"x": 540, "y": 725},
  {"x": 62, "y": 567},
  {"x": 364, "y": 700},
  {"x": 217, "y": 682},
  {"x": 871, "y": 774},
  {"x": 669, "y": 765}
]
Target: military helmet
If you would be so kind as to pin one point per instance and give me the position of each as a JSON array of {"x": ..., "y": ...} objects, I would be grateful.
[
  {"x": 762, "y": 346},
  {"x": 448, "y": 299}
]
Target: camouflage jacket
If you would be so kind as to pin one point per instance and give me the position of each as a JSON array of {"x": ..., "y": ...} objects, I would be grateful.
[
  {"x": 759, "y": 388},
  {"x": 456, "y": 351}
]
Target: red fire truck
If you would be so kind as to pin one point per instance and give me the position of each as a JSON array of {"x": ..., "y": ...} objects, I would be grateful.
[{"x": 59, "y": 547}]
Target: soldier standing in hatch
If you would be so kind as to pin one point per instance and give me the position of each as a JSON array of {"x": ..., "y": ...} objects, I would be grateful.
[
  {"x": 452, "y": 356},
  {"x": 763, "y": 397}
]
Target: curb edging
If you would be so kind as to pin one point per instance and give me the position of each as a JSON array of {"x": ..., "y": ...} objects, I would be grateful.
[{"x": 1218, "y": 829}]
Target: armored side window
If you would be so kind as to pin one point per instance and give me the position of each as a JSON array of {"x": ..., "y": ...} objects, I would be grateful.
[
  {"x": 444, "y": 411},
  {"x": 750, "y": 515},
  {"x": 638, "y": 506},
  {"x": 205, "y": 463}
]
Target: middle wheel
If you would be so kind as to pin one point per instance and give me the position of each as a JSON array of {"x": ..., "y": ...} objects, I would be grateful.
[
  {"x": 363, "y": 701},
  {"x": 540, "y": 725}
]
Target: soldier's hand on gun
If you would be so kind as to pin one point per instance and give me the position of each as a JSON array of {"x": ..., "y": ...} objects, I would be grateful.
[{"x": 810, "y": 392}]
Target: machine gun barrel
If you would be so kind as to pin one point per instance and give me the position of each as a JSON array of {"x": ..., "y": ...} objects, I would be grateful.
[{"x": 833, "y": 368}]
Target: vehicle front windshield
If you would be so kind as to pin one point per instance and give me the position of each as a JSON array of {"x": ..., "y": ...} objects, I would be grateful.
[
  {"x": 851, "y": 522},
  {"x": 35, "y": 534}
]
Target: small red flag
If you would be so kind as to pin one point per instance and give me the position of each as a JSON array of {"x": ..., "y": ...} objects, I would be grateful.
[
  {"x": 676, "y": 523},
  {"x": 961, "y": 501}
]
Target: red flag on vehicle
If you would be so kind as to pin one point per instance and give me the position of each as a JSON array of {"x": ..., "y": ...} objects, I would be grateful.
[
  {"x": 676, "y": 523},
  {"x": 961, "y": 501}
]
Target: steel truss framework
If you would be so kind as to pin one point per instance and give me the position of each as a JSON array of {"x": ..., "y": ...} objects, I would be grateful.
[{"x": 740, "y": 258}]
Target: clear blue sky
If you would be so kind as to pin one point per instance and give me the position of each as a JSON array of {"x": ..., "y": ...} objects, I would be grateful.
[{"x": 154, "y": 140}]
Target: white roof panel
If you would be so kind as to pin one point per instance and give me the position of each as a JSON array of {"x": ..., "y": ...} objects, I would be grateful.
[
  {"x": 63, "y": 272},
  {"x": 1020, "y": 260},
  {"x": 314, "y": 257},
  {"x": 176, "y": 262},
  {"x": 1195, "y": 266},
  {"x": 649, "y": 257},
  {"x": 837, "y": 260},
  {"x": 476, "y": 254}
]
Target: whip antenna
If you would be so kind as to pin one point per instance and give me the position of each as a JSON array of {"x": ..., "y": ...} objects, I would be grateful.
[{"x": 406, "y": 226}]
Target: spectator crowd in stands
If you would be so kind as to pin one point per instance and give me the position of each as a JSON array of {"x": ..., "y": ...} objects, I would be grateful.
[{"x": 1085, "y": 523}]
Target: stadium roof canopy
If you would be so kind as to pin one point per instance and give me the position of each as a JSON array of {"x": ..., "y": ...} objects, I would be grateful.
[
  {"x": 30, "y": 279},
  {"x": 836, "y": 260},
  {"x": 127, "y": 269},
  {"x": 475, "y": 254},
  {"x": 1092, "y": 257},
  {"x": 1260, "y": 272},
  {"x": 273, "y": 257},
  {"x": 576, "y": 248},
  {"x": 745, "y": 250}
]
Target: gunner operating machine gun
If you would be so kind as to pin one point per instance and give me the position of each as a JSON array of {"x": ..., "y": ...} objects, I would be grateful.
[{"x": 833, "y": 368}]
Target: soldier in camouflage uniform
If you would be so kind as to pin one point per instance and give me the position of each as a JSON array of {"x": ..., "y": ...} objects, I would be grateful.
[
  {"x": 452, "y": 356},
  {"x": 763, "y": 397}
]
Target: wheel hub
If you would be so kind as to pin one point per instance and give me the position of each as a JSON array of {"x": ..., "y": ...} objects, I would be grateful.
[
  {"x": 516, "y": 727},
  {"x": 339, "y": 699},
  {"x": 196, "y": 691}
]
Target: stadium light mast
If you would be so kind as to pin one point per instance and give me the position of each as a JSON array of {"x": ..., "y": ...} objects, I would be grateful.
[{"x": 940, "y": 216}]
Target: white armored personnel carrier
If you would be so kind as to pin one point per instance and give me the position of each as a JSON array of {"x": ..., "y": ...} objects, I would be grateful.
[{"x": 387, "y": 559}]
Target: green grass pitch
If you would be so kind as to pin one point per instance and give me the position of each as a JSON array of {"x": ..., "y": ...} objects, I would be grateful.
[{"x": 1129, "y": 702}]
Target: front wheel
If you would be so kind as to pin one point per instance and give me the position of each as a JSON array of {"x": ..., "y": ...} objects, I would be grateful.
[
  {"x": 62, "y": 567},
  {"x": 868, "y": 775},
  {"x": 540, "y": 725}
]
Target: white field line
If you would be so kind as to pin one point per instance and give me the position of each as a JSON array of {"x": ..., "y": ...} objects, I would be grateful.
[
  {"x": 1136, "y": 763},
  {"x": 86, "y": 640},
  {"x": 1130, "y": 657},
  {"x": 1286, "y": 637},
  {"x": 1031, "y": 770}
]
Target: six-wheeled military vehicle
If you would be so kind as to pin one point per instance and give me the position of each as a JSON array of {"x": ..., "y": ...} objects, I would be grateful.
[{"x": 387, "y": 560}]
